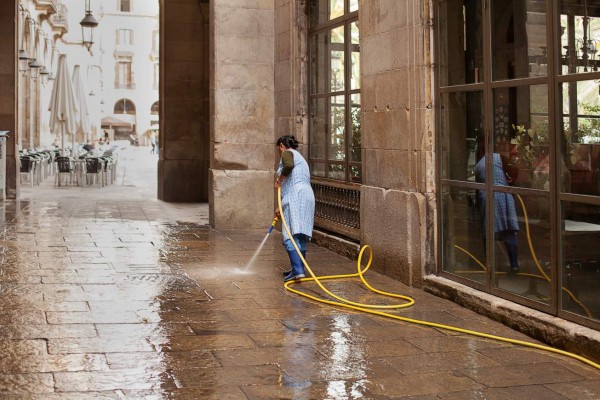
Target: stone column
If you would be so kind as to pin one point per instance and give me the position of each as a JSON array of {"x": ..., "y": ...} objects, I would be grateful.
[
  {"x": 8, "y": 93},
  {"x": 397, "y": 199},
  {"x": 242, "y": 113},
  {"x": 184, "y": 101}
]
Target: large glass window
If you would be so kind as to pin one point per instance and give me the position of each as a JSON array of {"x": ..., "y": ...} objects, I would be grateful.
[
  {"x": 519, "y": 119},
  {"x": 335, "y": 127}
]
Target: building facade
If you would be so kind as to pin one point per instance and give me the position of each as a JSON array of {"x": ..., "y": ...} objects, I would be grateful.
[
  {"x": 409, "y": 113},
  {"x": 121, "y": 66}
]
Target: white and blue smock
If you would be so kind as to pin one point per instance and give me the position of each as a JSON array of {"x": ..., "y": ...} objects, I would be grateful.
[{"x": 297, "y": 197}]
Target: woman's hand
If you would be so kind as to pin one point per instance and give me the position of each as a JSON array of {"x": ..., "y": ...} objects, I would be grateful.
[
  {"x": 277, "y": 213},
  {"x": 278, "y": 182}
]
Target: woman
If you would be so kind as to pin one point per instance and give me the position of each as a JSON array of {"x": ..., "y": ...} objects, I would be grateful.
[
  {"x": 297, "y": 202},
  {"x": 506, "y": 224}
]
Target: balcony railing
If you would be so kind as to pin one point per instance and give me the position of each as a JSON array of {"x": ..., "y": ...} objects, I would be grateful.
[
  {"x": 49, "y": 6},
  {"x": 337, "y": 208},
  {"x": 60, "y": 19}
]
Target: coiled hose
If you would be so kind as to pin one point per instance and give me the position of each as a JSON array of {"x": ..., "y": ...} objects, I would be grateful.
[{"x": 376, "y": 309}]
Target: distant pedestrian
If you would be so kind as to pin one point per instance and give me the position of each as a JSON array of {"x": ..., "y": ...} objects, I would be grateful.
[
  {"x": 153, "y": 143},
  {"x": 297, "y": 202}
]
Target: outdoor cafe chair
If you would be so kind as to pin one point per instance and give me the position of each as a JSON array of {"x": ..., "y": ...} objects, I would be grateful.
[
  {"x": 94, "y": 169},
  {"x": 64, "y": 166},
  {"x": 27, "y": 169}
]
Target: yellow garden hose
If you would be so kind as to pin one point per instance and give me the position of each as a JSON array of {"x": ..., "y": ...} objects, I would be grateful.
[{"x": 375, "y": 309}]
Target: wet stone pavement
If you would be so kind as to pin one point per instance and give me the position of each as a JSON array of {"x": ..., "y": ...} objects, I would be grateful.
[{"x": 112, "y": 294}]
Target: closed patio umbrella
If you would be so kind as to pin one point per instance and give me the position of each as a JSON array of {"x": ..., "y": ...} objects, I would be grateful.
[
  {"x": 63, "y": 102},
  {"x": 83, "y": 122}
]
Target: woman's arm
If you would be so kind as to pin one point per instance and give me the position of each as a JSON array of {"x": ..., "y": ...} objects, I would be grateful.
[{"x": 287, "y": 159}]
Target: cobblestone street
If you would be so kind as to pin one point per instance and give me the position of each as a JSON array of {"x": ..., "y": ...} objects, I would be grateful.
[{"x": 108, "y": 293}]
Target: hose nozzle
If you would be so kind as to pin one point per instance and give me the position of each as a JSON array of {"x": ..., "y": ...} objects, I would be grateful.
[{"x": 273, "y": 224}]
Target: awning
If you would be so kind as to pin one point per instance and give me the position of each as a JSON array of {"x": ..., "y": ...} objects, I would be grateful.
[{"x": 112, "y": 122}]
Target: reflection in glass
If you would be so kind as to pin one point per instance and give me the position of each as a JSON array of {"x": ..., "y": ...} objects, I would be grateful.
[
  {"x": 532, "y": 249},
  {"x": 337, "y": 171},
  {"x": 579, "y": 36},
  {"x": 580, "y": 161},
  {"x": 521, "y": 134},
  {"x": 336, "y": 60},
  {"x": 519, "y": 46},
  {"x": 319, "y": 63},
  {"x": 317, "y": 169},
  {"x": 463, "y": 250},
  {"x": 355, "y": 134},
  {"x": 461, "y": 117},
  {"x": 318, "y": 122},
  {"x": 460, "y": 42},
  {"x": 580, "y": 264},
  {"x": 355, "y": 54},
  {"x": 355, "y": 174},
  {"x": 337, "y": 133}
]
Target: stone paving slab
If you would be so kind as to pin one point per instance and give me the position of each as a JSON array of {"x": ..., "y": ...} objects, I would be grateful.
[{"x": 101, "y": 299}]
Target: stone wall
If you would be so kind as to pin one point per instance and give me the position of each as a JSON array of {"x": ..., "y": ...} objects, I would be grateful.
[
  {"x": 8, "y": 93},
  {"x": 184, "y": 101},
  {"x": 290, "y": 69},
  {"x": 397, "y": 199},
  {"x": 242, "y": 113}
]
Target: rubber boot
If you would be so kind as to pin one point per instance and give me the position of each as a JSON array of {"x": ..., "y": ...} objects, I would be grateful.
[
  {"x": 297, "y": 266},
  {"x": 510, "y": 241},
  {"x": 289, "y": 271}
]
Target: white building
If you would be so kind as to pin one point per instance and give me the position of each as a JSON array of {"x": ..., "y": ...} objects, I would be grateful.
[{"x": 121, "y": 73}]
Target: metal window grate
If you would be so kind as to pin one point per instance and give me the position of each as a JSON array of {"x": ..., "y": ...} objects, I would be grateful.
[{"x": 337, "y": 209}]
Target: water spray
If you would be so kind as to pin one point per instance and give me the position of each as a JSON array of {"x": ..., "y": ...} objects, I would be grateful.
[{"x": 257, "y": 252}]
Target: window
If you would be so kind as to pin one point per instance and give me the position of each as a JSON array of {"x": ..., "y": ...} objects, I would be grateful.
[
  {"x": 125, "y": 37},
  {"x": 124, "y": 106},
  {"x": 124, "y": 75},
  {"x": 519, "y": 151},
  {"x": 154, "y": 108},
  {"x": 334, "y": 100},
  {"x": 125, "y": 5}
]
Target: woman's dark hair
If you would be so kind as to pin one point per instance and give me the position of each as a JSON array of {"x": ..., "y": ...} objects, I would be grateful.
[{"x": 289, "y": 141}]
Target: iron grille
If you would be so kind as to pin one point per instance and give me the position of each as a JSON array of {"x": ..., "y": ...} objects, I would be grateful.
[{"x": 337, "y": 208}]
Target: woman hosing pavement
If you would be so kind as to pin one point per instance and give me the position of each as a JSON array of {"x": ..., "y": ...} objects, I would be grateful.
[{"x": 297, "y": 202}]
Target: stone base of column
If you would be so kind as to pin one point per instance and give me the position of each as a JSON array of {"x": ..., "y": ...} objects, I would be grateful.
[
  {"x": 392, "y": 223},
  {"x": 183, "y": 181},
  {"x": 241, "y": 199}
]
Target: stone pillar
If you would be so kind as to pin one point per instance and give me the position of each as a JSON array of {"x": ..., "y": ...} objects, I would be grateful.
[
  {"x": 184, "y": 101},
  {"x": 291, "y": 89},
  {"x": 8, "y": 93},
  {"x": 242, "y": 113},
  {"x": 397, "y": 199}
]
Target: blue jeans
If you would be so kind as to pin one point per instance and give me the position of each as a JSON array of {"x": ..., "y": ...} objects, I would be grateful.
[{"x": 295, "y": 260}]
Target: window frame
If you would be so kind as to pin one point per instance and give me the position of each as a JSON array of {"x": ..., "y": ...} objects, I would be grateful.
[
  {"x": 553, "y": 79},
  {"x": 326, "y": 162}
]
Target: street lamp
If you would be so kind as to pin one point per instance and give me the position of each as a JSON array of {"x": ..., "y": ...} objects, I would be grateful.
[
  {"x": 45, "y": 74},
  {"x": 23, "y": 61},
  {"x": 88, "y": 23},
  {"x": 35, "y": 68}
]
